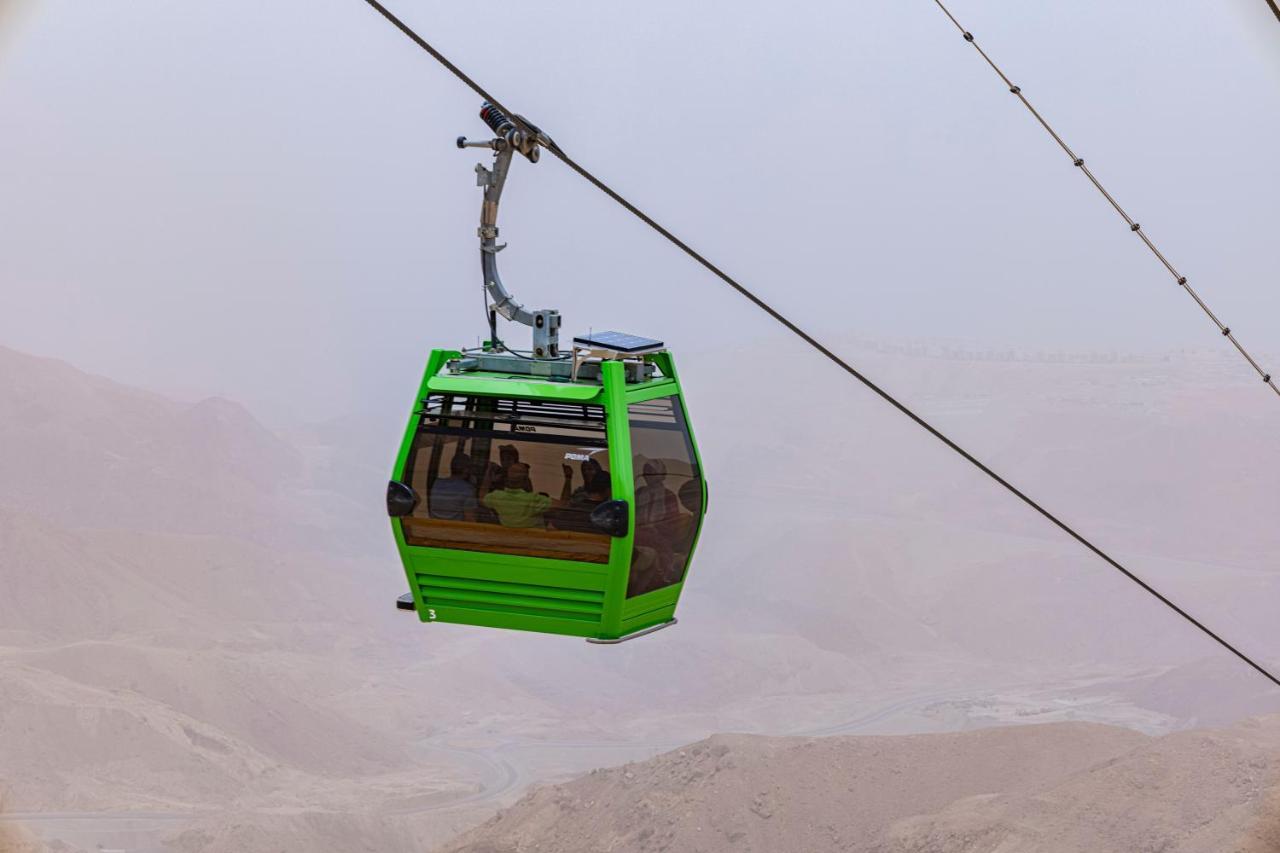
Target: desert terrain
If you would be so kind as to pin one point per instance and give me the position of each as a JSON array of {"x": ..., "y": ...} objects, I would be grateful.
[
  {"x": 1056, "y": 788},
  {"x": 198, "y": 649}
]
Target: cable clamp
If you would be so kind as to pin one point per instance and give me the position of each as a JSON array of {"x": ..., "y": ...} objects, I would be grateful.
[
  {"x": 1079, "y": 161},
  {"x": 1226, "y": 330},
  {"x": 1135, "y": 227},
  {"x": 1183, "y": 281},
  {"x": 968, "y": 36},
  {"x": 1017, "y": 90},
  {"x": 1266, "y": 377},
  {"x": 487, "y": 232}
]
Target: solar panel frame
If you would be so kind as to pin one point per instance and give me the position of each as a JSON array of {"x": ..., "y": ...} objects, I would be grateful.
[{"x": 619, "y": 342}]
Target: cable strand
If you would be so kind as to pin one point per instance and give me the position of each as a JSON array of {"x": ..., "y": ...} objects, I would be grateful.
[
  {"x": 813, "y": 342},
  {"x": 1079, "y": 162}
]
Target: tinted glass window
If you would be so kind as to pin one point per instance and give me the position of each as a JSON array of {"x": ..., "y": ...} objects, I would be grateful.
[
  {"x": 668, "y": 494},
  {"x": 509, "y": 477}
]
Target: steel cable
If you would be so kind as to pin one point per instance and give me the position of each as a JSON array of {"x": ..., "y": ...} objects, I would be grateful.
[
  {"x": 1134, "y": 226},
  {"x": 837, "y": 360}
]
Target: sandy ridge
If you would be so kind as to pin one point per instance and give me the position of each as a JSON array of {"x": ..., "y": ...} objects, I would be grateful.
[{"x": 1057, "y": 788}]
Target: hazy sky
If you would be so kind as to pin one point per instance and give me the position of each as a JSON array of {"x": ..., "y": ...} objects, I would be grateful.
[{"x": 263, "y": 200}]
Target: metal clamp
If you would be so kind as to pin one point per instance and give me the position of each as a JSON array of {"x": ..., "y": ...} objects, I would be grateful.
[{"x": 513, "y": 135}]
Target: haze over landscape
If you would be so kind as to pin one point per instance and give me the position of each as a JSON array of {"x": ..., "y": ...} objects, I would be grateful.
[
  {"x": 220, "y": 283},
  {"x": 235, "y": 671}
]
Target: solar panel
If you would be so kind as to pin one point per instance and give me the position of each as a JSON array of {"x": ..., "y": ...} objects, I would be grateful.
[{"x": 618, "y": 342}]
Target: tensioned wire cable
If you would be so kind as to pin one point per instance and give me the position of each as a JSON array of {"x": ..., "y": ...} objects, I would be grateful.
[
  {"x": 837, "y": 360},
  {"x": 1135, "y": 227},
  {"x": 1274, "y": 8}
]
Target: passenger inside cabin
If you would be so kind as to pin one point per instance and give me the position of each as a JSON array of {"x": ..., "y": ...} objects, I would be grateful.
[
  {"x": 453, "y": 498},
  {"x": 655, "y": 503},
  {"x": 591, "y": 472},
  {"x": 575, "y": 512},
  {"x": 516, "y": 504},
  {"x": 496, "y": 476},
  {"x": 658, "y": 527}
]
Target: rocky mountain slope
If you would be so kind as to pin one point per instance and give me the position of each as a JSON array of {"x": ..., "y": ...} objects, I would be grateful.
[{"x": 1059, "y": 788}]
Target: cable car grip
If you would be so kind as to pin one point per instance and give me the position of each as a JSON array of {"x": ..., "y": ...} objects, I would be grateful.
[{"x": 513, "y": 134}]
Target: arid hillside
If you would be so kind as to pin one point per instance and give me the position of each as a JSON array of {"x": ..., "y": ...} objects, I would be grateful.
[
  {"x": 100, "y": 454},
  {"x": 1060, "y": 788},
  {"x": 14, "y": 838},
  {"x": 198, "y": 649}
]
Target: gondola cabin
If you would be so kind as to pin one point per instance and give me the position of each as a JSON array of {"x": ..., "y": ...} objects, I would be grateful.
[
  {"x": 563, "y": 496},
  {"x": 541, "y": 490}
]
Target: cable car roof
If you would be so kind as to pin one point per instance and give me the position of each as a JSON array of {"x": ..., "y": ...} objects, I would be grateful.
[{"x": 577, "y": 378}]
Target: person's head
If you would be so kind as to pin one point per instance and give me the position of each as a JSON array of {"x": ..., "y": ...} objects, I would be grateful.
[
  {"x": 598, "y": 487},
  {"x": 590, "y": 468},
  {"x": 460, "y": 465},
  {"x": 654, "y": 471},
  {"x": 508, "y": 455},
  {"x": 517, "y": 475}
]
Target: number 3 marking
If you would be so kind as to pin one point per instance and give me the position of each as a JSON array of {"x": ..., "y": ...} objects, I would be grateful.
[{"x": 431, "y": 614}]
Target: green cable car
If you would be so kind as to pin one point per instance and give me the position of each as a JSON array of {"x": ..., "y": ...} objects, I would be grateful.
[{"x": 540, "y": 490}]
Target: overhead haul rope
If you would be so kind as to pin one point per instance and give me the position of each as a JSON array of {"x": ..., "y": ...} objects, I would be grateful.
[
  {"x": 1274, "y": 8},
  {"x": 1133, "y": 226},
  {"x": 837, "y": 360}
]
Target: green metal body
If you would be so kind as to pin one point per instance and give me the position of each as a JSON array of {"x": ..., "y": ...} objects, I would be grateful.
[{"x": 532, "y": 593}]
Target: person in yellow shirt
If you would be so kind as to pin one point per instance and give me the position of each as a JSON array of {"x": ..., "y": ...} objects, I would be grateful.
[{"x": 516, "y": 504}]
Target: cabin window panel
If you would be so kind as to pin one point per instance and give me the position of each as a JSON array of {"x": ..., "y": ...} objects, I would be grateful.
[
  {"x": 511, "y": 477},
  {"x": 668, "y": 494}
]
